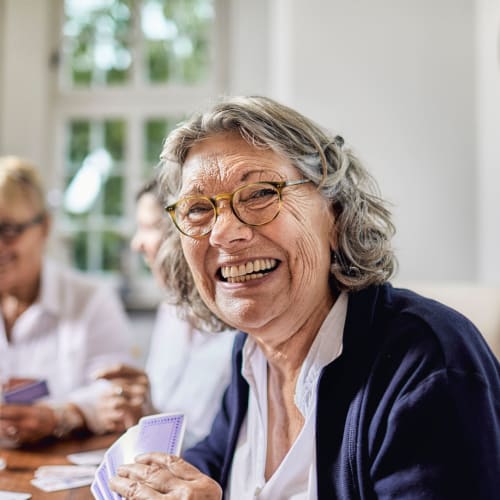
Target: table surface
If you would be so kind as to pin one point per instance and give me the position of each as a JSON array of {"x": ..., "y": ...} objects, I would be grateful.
[{"x": 22, "y": 463}]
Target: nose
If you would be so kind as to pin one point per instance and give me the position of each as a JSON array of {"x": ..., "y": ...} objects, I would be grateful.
[{"x": 227, "y": 228}]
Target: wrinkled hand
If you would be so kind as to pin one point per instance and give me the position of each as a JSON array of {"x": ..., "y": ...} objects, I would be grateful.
[
  {"x": 157, "y": 475},
  {"x": 26, "y": 423},
  {"x": 128, "y": 399}
]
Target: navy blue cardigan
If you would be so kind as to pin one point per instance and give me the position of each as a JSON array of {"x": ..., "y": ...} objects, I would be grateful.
[{"x": 411, "y": 409}]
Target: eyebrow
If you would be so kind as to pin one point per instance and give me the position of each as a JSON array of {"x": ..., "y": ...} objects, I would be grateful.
[{"x": 196, "y": 187}]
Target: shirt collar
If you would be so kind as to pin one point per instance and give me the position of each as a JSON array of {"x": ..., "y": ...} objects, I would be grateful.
[
  {"x": 49, "y": 299},
  {"x": 326, "y": 347}
]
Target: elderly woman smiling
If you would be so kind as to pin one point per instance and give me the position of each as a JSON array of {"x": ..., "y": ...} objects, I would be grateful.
[{"x": 343, "y": 386}]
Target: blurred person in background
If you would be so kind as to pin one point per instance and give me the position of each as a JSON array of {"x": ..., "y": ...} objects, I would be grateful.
[
  {"x": 187, "y": 370},
  {"x": 56, "y": 324}
]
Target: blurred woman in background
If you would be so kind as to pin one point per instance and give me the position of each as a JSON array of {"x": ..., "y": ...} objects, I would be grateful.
[
  {"x": 56, "y": 325},
  {"x": 187, "y": 370}
]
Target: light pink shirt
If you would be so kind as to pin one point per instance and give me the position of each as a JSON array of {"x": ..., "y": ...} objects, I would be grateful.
[{"x": 295, "y": 478}]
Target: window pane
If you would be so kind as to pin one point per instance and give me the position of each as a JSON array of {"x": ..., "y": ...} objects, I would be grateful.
[
  {"x": 155, "y": 131},
  {"x": 177, "y": 40},
  {"x": 79, "y": 141},
  {"x": 79, "y": 251},
  {"x": 97, "y": 36},
  {"x": 94, "y": 192},
  {"x": 112, "y": 248},
  {"x": 114, "y": 138},
  {"x": 113, "y": 196}
]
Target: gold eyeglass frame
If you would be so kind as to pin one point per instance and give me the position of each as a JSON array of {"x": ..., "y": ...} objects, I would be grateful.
[{"x": 278, "y": 185}]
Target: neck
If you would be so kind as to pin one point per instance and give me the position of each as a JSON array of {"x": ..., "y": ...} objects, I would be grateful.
[
  {"x": 15, "y": 301},
  {"x": 287, "y": 356}
]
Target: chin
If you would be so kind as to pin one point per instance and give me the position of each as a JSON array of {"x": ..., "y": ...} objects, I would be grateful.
[{"x": 245, "y": 316}]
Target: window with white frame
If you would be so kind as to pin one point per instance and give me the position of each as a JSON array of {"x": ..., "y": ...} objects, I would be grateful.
[{"x": 129, "y": 71}]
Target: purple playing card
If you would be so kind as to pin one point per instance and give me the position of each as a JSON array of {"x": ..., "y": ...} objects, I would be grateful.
[
  {"x": 26, "y": 393},
  {"x": 163, "y": 432},
  {"x": 100, "y": 487},
  {"x": 96, "y": 491}
]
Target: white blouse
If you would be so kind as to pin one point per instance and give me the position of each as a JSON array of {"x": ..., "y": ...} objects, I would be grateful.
[
  {"x": 76, "y": 327},
  {"x": 295, "y": 478}
]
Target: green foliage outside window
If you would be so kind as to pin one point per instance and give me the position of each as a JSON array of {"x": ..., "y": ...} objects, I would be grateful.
[
  {"x": 155, "y": 131},
  {"x": 99, "y": 205},
  {"x": 114, "y": 138},
  {"x": 99, "y": 41},
  {"x": 79, "y": 141},
  {"x": 112, "y": 196},
  {"x": 112, "y": 249}
]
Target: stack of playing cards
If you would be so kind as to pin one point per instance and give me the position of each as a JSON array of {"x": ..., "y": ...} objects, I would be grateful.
[
  {"x": 163, "y": 432},
  {"x": 63, "y": 477}
]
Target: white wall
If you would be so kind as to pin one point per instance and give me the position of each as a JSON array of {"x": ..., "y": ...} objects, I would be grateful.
[
  {"x": 25, "y": 90},
  {"x": 396, "y": 79},
  {"x": 248, "y": 47},
  {"x": 488, "y": 137}
]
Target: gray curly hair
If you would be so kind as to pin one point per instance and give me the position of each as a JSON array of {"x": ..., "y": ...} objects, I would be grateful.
[{"x": 364, "y": 255}]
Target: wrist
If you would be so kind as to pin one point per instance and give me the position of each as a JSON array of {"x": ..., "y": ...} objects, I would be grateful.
[{"x": 68, "y": 419}]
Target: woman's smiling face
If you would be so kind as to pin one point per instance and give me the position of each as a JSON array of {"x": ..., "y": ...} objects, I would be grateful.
[{"x": 285, "y": 262}]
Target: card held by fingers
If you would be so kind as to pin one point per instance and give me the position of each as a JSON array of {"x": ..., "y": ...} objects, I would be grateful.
[{"x": 24, "y": 391}]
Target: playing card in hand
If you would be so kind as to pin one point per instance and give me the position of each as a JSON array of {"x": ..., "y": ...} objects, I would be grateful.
[
  {"x": 163, "y": 432},
  {"x": 24, "y": 391}
]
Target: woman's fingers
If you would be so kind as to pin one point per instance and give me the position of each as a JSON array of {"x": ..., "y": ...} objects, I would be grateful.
[
  {"x": 119, "y": 371},
  {"x": 157, "y": 475},
  {"x": 133, "y": 490},
  {"x": 176, "y": 465},
  {"x": 184, "y": 480},
  {"x": 24, "y": 423}
]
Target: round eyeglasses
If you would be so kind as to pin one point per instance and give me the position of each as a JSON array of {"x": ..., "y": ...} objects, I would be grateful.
[{"x": 253, "y": 204}]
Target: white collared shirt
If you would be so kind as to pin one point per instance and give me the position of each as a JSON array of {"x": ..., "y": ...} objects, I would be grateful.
[
  {"x": 75, "y": 327},
  {"x": 189, "y": 371},
  {"x": 295, "y": 478}
]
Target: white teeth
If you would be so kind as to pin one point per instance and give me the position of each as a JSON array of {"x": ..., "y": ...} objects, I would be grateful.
[
  {"x": 246, "y": 277},
  {"x": 245, "y": 272}
]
